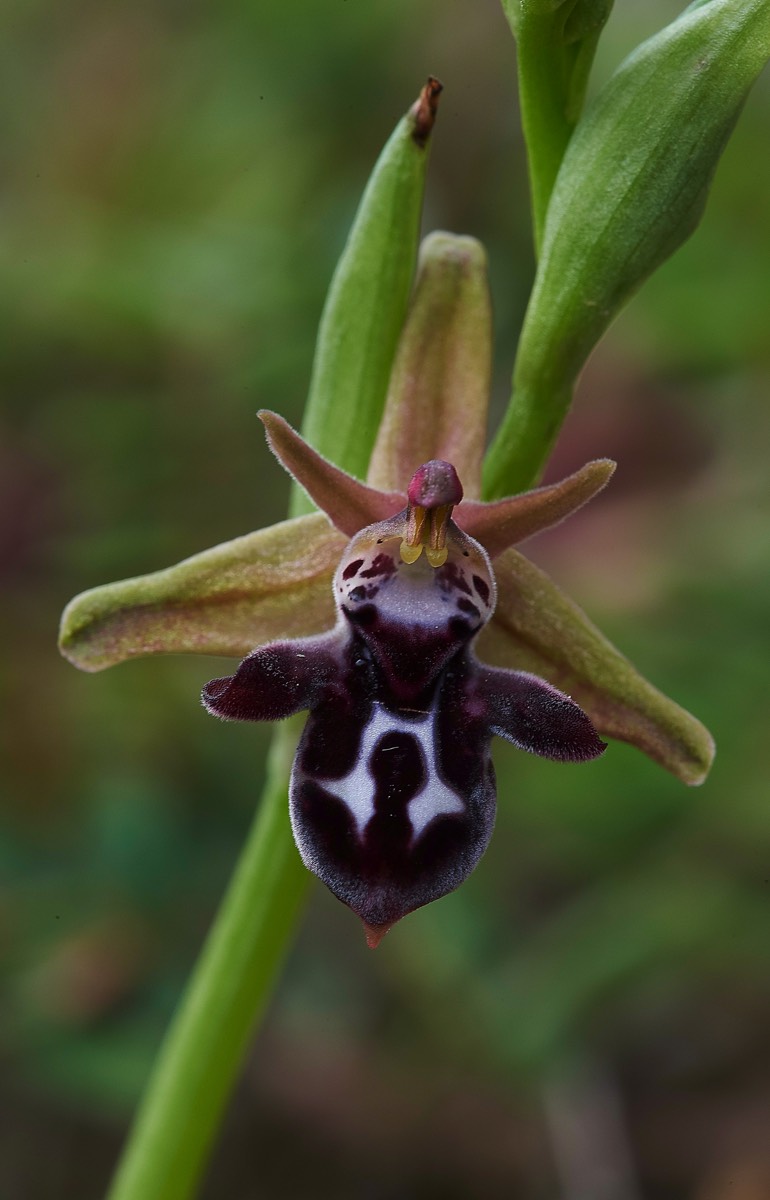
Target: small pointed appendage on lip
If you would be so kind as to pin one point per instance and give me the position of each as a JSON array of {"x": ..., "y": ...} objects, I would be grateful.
[{"x": 375, "y": 933}]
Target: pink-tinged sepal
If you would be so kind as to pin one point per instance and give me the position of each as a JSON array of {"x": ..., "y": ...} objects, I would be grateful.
[
  {"x": 536, "y": 716},
  {"x": 275, "y": 681},
  {"x": 504, "y": 523},
  {"x": 348, "y": 503}
]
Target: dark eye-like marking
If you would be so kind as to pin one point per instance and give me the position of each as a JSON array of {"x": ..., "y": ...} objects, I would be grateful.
[
  {"x": 352, "y": 568},
  {"x": 467, "y": 606},
  {"x": 382, "y": 565},
  {"x": 482, "y": 588},
  {"x": 452, "y": 577}
]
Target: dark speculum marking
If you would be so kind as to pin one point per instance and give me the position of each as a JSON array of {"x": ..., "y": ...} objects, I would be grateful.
[
  {"x": 351, "y": 568},
  {"x": 386, "y": 875},
  {"x": 383, "y": 870},
  {"x": 398, "y": 771},
  {"x": 331, "y": 751},
  {"x": 450, "y": 576},
  {"x": 382, "y": 565},
  {"x": 467, "y": 606},
  {"x": 357, "y": 594},
  {"x": 482, "y": 587}
]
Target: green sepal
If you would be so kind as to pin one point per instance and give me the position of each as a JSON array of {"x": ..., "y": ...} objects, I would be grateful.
[
  {"x": 631, "y": 189},
  {"x": 555, "y": 47},
  {"x": 367, "y": 301},
  {"x": 537, "y": 628},
  {"x": 275, "y": 583},
  {"x": 439, "y": 390}
]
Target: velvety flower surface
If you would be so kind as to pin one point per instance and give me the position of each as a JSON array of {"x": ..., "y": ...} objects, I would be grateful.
[{"x": 393, "y": 790}]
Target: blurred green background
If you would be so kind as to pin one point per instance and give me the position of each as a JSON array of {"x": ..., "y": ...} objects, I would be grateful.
[{"x": 589, "y": 1017}]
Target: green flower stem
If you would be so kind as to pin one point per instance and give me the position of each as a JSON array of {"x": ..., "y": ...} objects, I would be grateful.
[
  {"x": 232, "y": 983},
  {"x": 630, "y": 190}
]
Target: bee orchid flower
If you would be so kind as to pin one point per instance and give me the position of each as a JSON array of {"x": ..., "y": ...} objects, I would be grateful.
[
  {"x": 402, "y": 618},
  {"x": 392, "y": 793}
]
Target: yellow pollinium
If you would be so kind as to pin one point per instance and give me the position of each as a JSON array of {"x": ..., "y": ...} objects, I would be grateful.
[
  {"x": 436, "y": 558},
  {"x": 422, "y": 521},
  {"x": 410, "y": 554}
]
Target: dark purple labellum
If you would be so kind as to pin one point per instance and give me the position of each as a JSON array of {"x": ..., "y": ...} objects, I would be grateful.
[{"x": 393, "y": 790}]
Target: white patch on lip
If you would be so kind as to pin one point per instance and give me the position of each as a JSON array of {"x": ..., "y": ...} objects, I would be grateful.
[{"x": 357, "y": 789}]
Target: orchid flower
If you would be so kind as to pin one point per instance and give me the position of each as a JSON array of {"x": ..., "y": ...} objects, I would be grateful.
[
  {"x": 393, "y": 789},
  {"x": 408, "y": 647}
]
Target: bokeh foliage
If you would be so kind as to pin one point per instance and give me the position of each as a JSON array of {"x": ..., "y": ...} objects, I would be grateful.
[{"x": 179, "y": 186}]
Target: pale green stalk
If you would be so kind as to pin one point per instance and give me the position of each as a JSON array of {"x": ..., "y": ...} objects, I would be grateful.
[
  {"x": 180, "y": 1113},
  {"x": 230, "y": 987}
]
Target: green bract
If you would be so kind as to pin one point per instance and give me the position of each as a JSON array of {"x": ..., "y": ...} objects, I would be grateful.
[
  {"x": 368, "y": 298},
  {"x": 631, "y": 188}
]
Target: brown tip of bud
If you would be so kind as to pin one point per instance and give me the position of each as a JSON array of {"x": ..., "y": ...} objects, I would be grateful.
[
  {"x": 424, "y": 110},
  {"x": 434, "y": 485},
  {"x": 374, "y": 934}
]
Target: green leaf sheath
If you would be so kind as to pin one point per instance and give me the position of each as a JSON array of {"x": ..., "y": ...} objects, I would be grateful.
[
  {"x": 555, "y": 46},
  {"x": 439, "y": 389},
  {"x": 274, "y": 583},
  {"x": 228, "y": 992},
  {"x": 631, "y": 189},
  {"x": 367, "y": 301}
]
